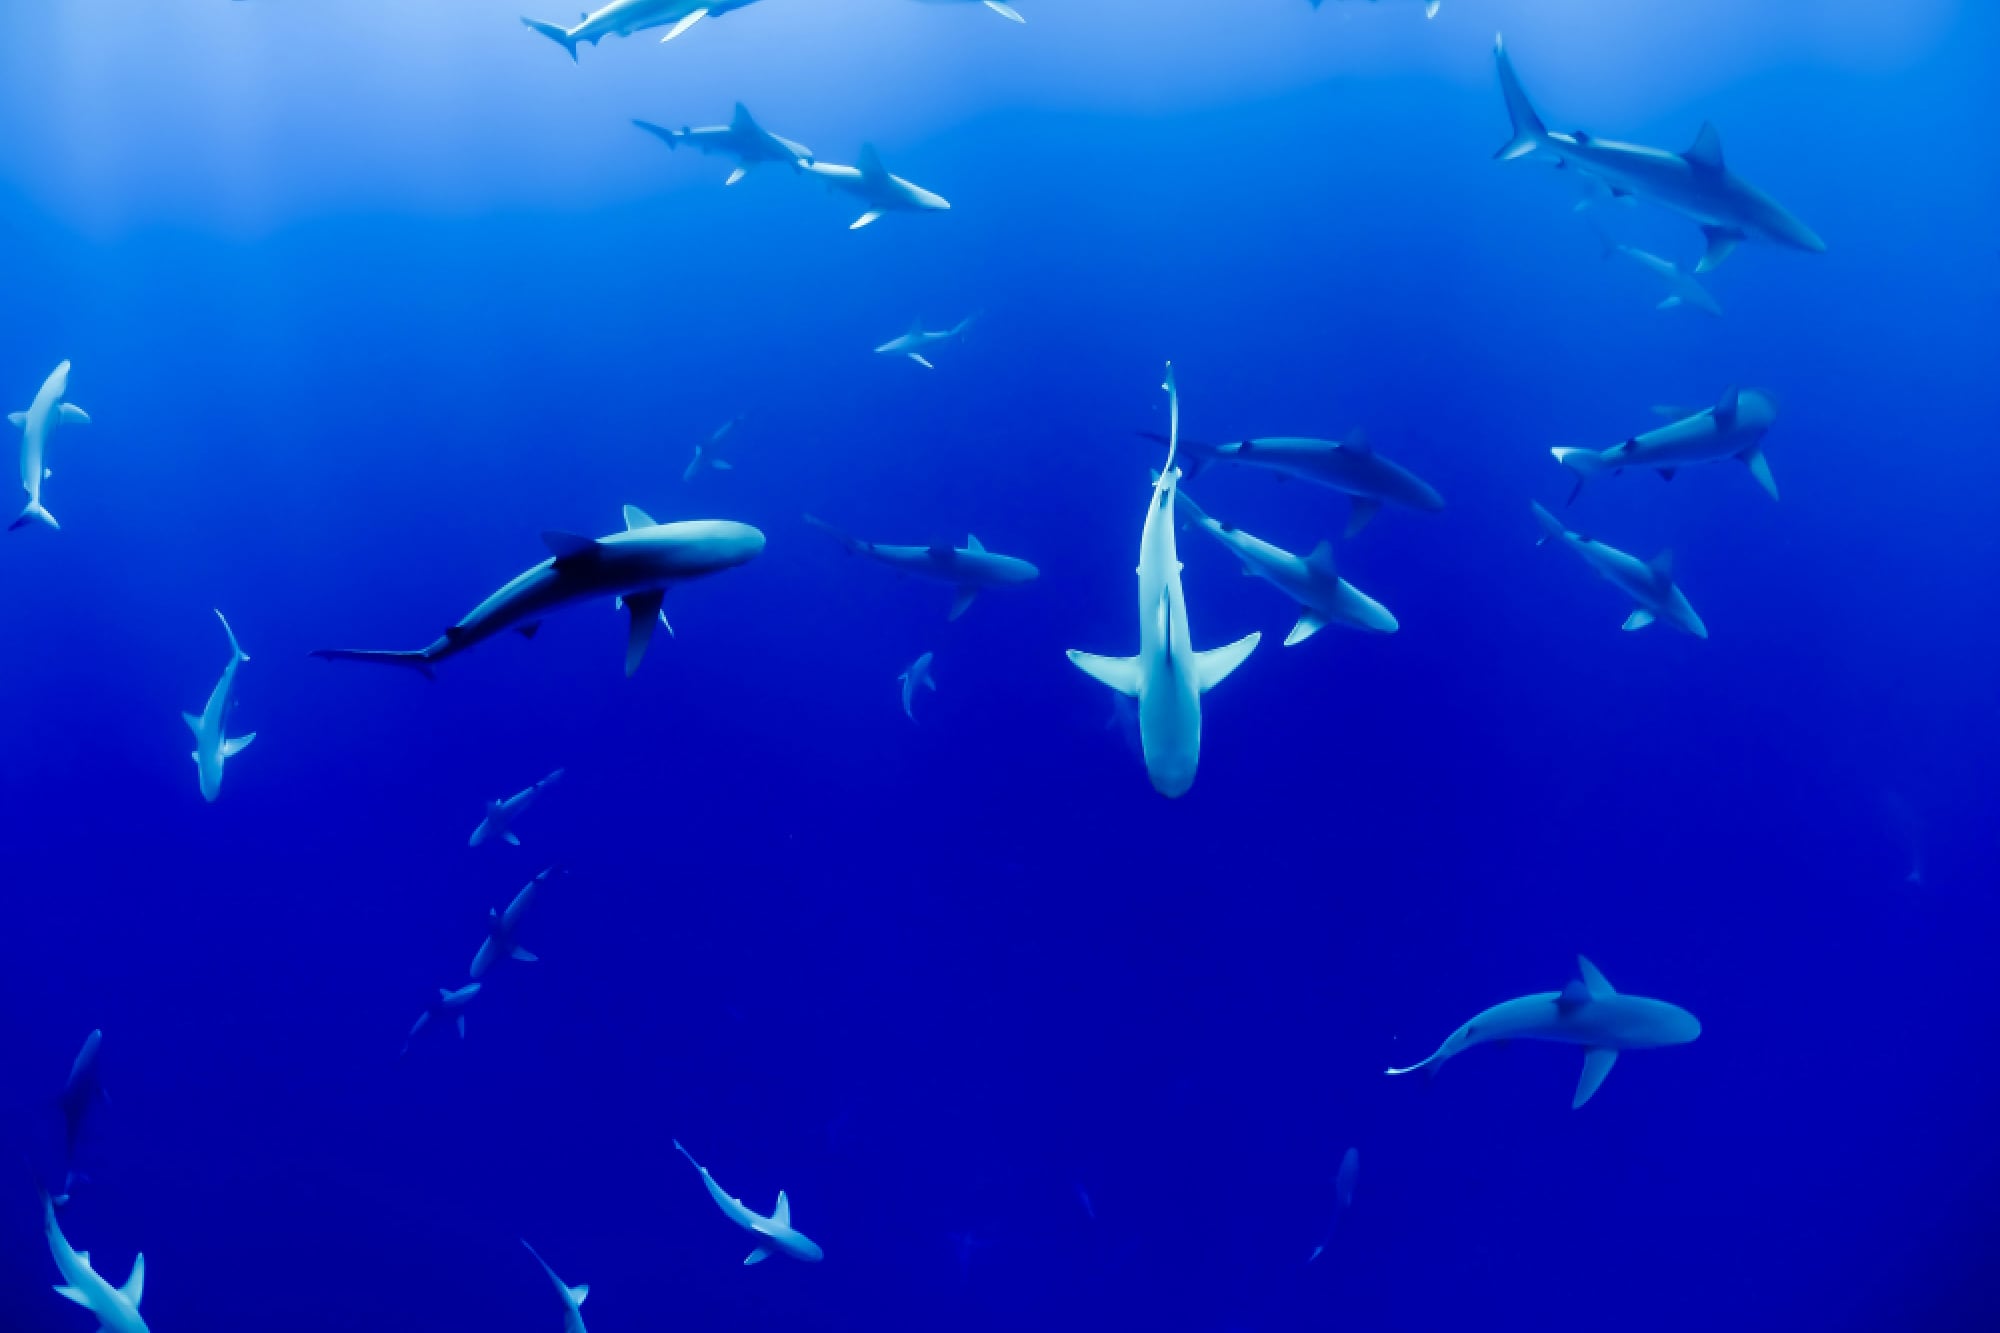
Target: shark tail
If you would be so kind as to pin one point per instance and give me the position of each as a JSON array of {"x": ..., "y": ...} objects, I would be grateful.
[
  {"x": 419, "y": 659},
  {"x": 556, "y": 33},
  {"x": 1528, "y": 128},
  {"x": 853, "y": 545},
  {"x": 1551, "y": 527},
  {"x": 1429, "y": 1063},
  {"x": 1586, "y": 463},
  {"x": 34, "y": 513}
]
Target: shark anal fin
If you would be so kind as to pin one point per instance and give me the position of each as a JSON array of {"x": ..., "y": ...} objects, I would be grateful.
[{"x": 1597, "y": 1062}]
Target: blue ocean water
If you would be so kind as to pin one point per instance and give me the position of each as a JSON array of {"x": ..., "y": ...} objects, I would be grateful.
[{"x": 363, "y": 297}]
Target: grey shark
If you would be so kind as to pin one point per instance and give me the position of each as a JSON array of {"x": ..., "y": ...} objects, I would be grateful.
[
  {"x": 1587, "y": 1013},
  {"x": 1734, "y": 427},
  {"x": 1350, "y": 466},
  {"x": 914, "y": 343},
  {"x": 742, "y": 138},
  {"x": 115, "y": 1308},
  {"x": 82, "y": 1092},
  {"x": 572, "y": 1297},
  {"x": 1649, "y": 583},
  {"x": 708, "y": 454},
  {"x": 501, "y": 814},
  {"x": 503, "y": 930},
  {"x": 1004, "y": 10},
  {"x": 1169, "y": 675},
  {"x": 636, "y": 566},
  {"x": 1313, "y": 581},
  {"x": 1430, "y": 7},
  {"x": 448, "y": 1008},
  {"x": 212, "y": 744},
  {"x": 967, "y": 568},
  {"x": 879, "y": 192},
  {"x": 1683, "y": 288},
  {"x": 44, "y": 414},
  {"x": 1696, "y": 184},
  {"x": 1343, "y": 1197},
  {"x": 775, "y": 1234},
  {"x": 622, "y": 18},
  {"x": 917, "y": 675}
]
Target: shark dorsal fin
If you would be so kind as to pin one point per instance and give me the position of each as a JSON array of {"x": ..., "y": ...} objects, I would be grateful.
[
  {"x": 1705, "y": 154},
  {"x": 742, "y": 119},
  {"x": 568, "y": 545},
  {"x": 1574, "y": 996},
  {"x": 1726, "y": 406},
  {"x": 1593, "y": 980},
  {"x": 134, "y": 1289},
  {"x": 579, "y": 1293},
  {"x": 782, "y": 1214},
  {"x": 1357, "y": 442},
  {"x": 1321, "y": 558},
  {"x": 869, "y": 163},
  {"x": 972, "y": 544},
  {"x": 1663, "y": 565},
  {"x": 916, "y": 325},
  {"x": 636, "y": 517}
]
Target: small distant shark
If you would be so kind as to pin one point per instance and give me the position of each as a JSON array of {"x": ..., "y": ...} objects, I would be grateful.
[
  {"x": 742, "y": 138},
  {"x": 918, "y": 674},
  {"x": 504, "y": 927},
  {"x": 1430, "y": 7},
  {"x": 1650, "y": 583},
  {"x": 774, "y": 1234},
  {"x": 917, "y": 341},
  {"x": 572, "y": 1297},
  {"x": 501, "y": 814},
  {"x": 1343, "y": 1197},
  {"x": 448, "y": 1008},
  {"x": 707, "y": 455},
  {"x": 1695, "y": 184},
  {"x": 1350, "y": 466},
  {"x": 1733, "y": 428},
  {"x": 44, "y": 414},
  {"x": 622, "y": 18},
  {"x": 1683, "y": 288},
  {"x": 635, "y": 566},
  {"x": 1169, "y": 675},
  {"x": 1587, "y": 1013},
  {"x": 1005, "y": 11},
  {"x": 879, "y": 192},
  {"x": 116, "y": 1308},
  {"x": 81, "y": 1093},
  {"x": 211, "y": 745},
  {"x": 1313, "y": 581},
  {"x": 968, "y": 568}
]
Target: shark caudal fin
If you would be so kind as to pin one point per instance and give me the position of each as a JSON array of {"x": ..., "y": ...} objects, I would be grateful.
[
  {"x": 1586, "y": 463},
  {"x": 1005, "y": 11},
  {"x": 670, "y": 137},
  {"x": 234, "y": 647},
  {"x": 852, "y": 545},
  {"x": 1528, "y": 128},
  {"x": 1550, "y": 524},
  {"x": 33, "y": 512},
  {"x": 418, "y": 659},
  {"x": 556, "y": 33}
]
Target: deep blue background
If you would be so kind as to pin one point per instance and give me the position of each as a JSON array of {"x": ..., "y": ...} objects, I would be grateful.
[{"x": 361, "y": 301}]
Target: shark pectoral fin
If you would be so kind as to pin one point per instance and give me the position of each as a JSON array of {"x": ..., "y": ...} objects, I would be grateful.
[
  {"x": 644, "y": 609},
  {"x": 723, "y": 465},
  {"x": 72, "y": 1294},
  {"x": 1213, "y": 667},
  {"x": 1669, "y": 303},
  {"x": 1360, "y": 512},
  {"x": 922, "y": 361},
  {"x": 1721, "y": 240},
  {"x": 737, "y": 175},
  {"x": 686, "y": 23},
  {"x": 511, "y": 838},
  {"x": 236, "y": 745},
  {"x": 1310, "y": 623},
  {"x": 72, "y": 415},
  {"x": 19, "y": 421},
  {"x": 1639, "y": 619},
  {"x": 962, "y": 601},
  {"x": 870, "y": 216},
  {"x": 1597, "y": 1062},
  {"x": 757, "y": 1256},
  {"x": 1005, "y": 11},
  {"x": 135, "y": 1286},
  {"x": 521, "y": 955},
  {"x": 1120, "y": 673},
  {"x": 193, "y": 721},
  {"x": 1760, "y": 468}
]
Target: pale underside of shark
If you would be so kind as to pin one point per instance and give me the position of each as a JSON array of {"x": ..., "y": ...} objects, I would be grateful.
[
  {"x": 501, "y": 814},
  {"x": 1587, "y": 1013},
  {"x": 1733, "y": 427},
  {"x": 622, "y": 18},
  {"x": 1684, "y": 290},
  {"x": 775, "y": 1234},
  {"x": 37, "y": 424},
  {"x": 1350, "y": 466},
  {"x": 116, "y": 1308},
  {"x": 918, "y": 340},
  {"x": 1168, "y": 675},
  {"x": 742, "y": 139},
  {"x": 1313, "y": 581},
  {"x": 917, "y": 675},
  {"x": 635, "y": 567},
  {"x": 212, "y": 744},
  {"x": 878, "y": 191},
  {"x": 503, "y": 930},
  {"x": 1649, "y": 583},
  {"x": 967, "y": 568},
  {"x": 1696, "y": 184}
]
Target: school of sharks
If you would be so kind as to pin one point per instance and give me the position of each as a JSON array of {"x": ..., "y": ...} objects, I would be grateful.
[{"x": 636, "y": 566}]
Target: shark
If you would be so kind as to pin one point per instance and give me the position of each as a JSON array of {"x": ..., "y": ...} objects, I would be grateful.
[
  {"x": 635, "y": 567},
  {"x": 707, "y": 455},
  {"x": 1430, "y": 7},
  {"x": 1169, "y": 675},
  {"x": 1343, "y": 1197},
  {"x": 116, "y": 1308},
  {"x": 1005, "y": 11},
  {"x": 504, "y": 927},
  {"x": 82, "y": 1092},
  {"x": 917, "y": 341},
  {"x": 742, "y": 138},
  {"x": 501, "y": 814},
  {"x": 1313, "y": 581},
  {"x": 1697, "y": 184},
  {"x": 879, "y": 192},
  {"x": 1588, "y": 1013},
  {"x": 1649, "y": 583},
  {"x": 48, "y": 410},
  {"x": 967, "y": 568},
  {"x": 1350, "y": 466},
  {"x": 775, "y": 1234},
  {"x": 1733, "y": 427},
  {"x": 622, "y": 18},
  {"x": 1683, "y": 288},
  {"x": 917, "y": 674},
  {"x": 212, "y": 744},
  {"x": 572, "y": 1297},
  {"x": 449, "y": 1007}
]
